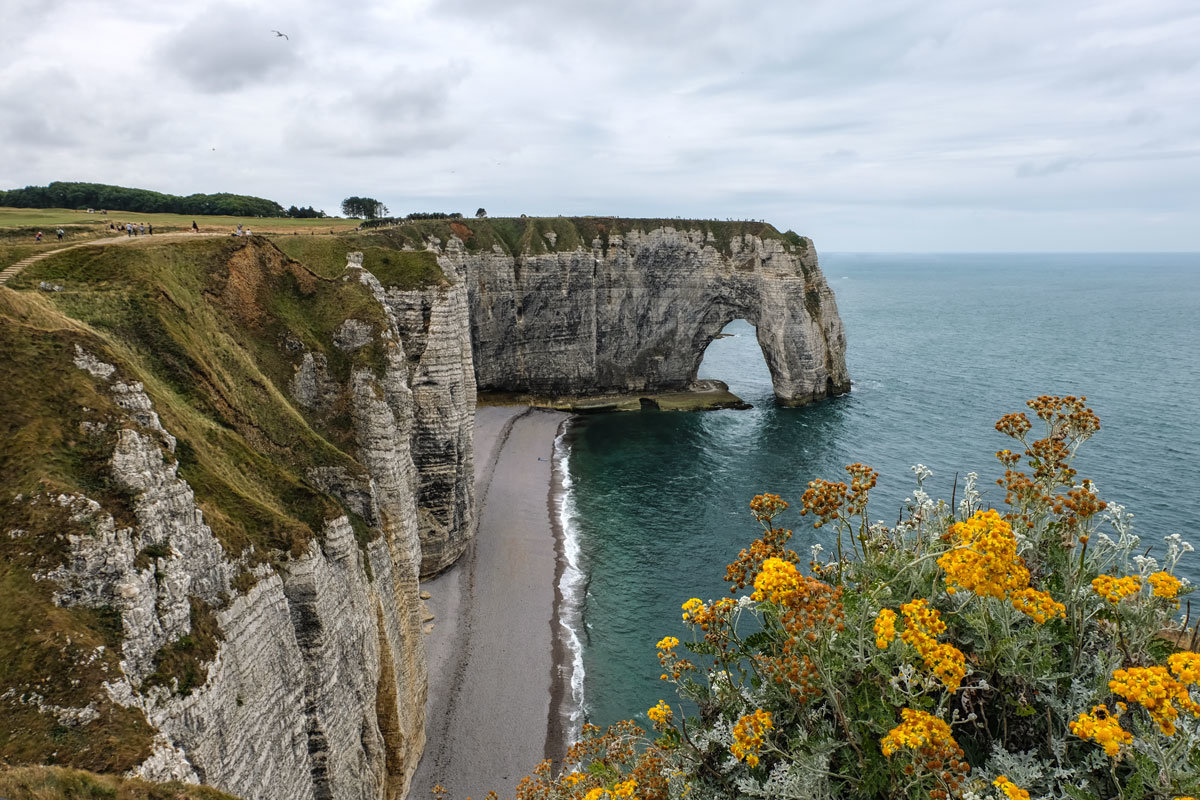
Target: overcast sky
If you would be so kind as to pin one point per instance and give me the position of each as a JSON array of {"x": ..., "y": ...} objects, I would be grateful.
[{"x": 893, "y": 125}]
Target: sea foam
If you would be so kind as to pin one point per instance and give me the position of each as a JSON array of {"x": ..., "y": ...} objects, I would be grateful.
[{"x": 571, "y": 586}]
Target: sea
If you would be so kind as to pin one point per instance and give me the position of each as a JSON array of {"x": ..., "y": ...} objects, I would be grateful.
[{"x": 655, "y": 504}]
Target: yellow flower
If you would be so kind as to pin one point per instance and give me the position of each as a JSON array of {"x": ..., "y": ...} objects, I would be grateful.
[
  {"x": 932, "y": 745},
  {"x": 1103, "y": 729},
  {"x": 985, "y": 561},
  {"x": 1113, "y": 589},
  {"x": 917, "y": 730},
  {"x": 574, "y": 778},
  {"x": 922, "y": 627},
  {"x": 667, "y": 643},
  {"x": 1157, "y": 691},
  {"x": 748, "y": 736},
  {"x": 1038, "y": 606},
  {"x": 691, "y": 607},
  {"x": 625, "y": 789},
  {"x": 596, "y": 794},
  {"x": 885, "y": 628},
  {"x": 1185, "y": 667},
  {"x": 1164, "y": 585},
  {"x": 1010, "y": 789},
  {"x": 660, "y": 713}
]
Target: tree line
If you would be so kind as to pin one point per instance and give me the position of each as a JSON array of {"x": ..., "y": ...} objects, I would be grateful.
[{"x": 72, "y": 194}]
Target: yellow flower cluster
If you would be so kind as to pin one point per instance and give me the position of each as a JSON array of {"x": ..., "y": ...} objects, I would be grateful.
[
  {"x": 670, "y": 660},
  {"x": 922, "y": 626},
  {"x": 660, "y": 713},
  {"x": 748, "y": 736},
  {"x": 1038, "y": 606},
  {"x": 1010, "y": 789},
  {"x": 1103, "y": 729},
  {"x": 933, "y": 748},
  {"x": 627, "y": 788},
  {"x": 885, "y": 628},
  {"x": 1114, "y": 589},
  {"x": 985, "y": 561},
  {"x": 696, "y": 613},
  {"x": 1157, "y": 691},
  {"x": 916, "y": 730},
  {"x": 777, "y": 582},
  {"x": 574, "y": 778},
  {"x": 1185, "y": 667},
  {"x": 1164, "y": 585},
  {"x": 624, "y": 789}
]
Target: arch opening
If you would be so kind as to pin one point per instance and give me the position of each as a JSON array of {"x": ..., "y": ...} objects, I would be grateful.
[{"x": 735, "y": 357}]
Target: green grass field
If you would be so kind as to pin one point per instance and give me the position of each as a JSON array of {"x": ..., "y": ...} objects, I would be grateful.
[{"x": 20, "y": 220}]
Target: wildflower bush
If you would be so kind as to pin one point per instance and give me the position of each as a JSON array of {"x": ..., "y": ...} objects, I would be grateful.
[{"x": 965, "y": 652}]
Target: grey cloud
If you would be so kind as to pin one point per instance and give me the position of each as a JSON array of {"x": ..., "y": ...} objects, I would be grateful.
[
  {"x": 1054, "y": 166},
  {"x": 227, "y": 48}
]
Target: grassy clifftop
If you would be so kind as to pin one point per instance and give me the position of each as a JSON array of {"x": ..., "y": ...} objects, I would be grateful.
[
  {"x": 213, "y": 327},
  {"x": 529, "y": 235}
]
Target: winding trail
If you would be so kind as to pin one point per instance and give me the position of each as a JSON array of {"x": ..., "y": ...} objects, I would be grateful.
[{"x": 14, "y": 269}]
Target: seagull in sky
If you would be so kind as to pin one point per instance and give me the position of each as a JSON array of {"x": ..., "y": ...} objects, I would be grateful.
[{"x": 278, "y": 34}]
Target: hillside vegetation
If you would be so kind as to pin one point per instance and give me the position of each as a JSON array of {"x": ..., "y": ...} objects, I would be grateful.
[
  {"x": 213, "y": 328},
  {"x": 58, "y": 783}
]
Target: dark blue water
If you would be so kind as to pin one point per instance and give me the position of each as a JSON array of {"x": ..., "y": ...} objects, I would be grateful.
[{"x": 939, "y": 348}]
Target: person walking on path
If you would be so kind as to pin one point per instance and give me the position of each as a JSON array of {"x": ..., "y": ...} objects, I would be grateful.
[
  {"x": 151, "y": 228},
  {"x": 195, "y": 227},
  {"x": 38, "y": 238},
  {"x": 60, "y": 234},
  {"x": 142, "y": 228}
]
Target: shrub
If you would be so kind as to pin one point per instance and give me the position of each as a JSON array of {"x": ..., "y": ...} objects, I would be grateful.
[{"x": 964, "y": 652}]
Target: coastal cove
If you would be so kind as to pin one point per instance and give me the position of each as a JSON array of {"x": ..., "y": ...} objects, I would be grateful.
[{"x": 939, "y": 347}]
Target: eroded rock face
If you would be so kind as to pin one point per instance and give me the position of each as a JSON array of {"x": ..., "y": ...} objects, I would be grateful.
[
  {"x": 316, "y": 686},
  {"x": 433, "y": 324},
  {"x": 637, "y": 314}
]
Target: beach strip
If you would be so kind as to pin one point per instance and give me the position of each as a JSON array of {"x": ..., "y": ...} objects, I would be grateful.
[{"x": 492, "y": 670}]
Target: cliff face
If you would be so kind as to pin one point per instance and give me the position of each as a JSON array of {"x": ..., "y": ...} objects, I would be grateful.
[
  {"x": 215, "y": 578},
  {"x": 633, "y": 309}
]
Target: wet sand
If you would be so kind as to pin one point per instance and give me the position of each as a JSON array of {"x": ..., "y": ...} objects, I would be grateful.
[{"x": 491, "y": 653}]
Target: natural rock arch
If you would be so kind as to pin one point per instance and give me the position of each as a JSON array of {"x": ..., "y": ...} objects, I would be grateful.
[{"x": 635, "y": 312}]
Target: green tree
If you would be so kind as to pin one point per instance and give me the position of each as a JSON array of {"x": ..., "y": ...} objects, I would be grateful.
[{"x": 363, "y": 208}]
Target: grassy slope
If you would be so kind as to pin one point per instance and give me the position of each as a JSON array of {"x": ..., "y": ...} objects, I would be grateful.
[
  {"x": 528, "y": 235},
  {"x": 211, "y": 327},
  {"x": 57, "y": 783},
  {"x": 48, "y": 219}
]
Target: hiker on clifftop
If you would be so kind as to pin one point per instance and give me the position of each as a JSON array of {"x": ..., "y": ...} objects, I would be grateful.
[{"x": 38, "y": 238}]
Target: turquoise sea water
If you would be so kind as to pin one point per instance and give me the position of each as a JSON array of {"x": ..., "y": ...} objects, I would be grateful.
[{"x": 939, "y": 347}]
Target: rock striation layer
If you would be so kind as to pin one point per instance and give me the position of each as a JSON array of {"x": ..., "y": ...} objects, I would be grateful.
[{"x": 634, "y": 311}]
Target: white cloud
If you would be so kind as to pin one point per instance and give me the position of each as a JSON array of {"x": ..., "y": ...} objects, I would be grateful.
[{"x": 898, "y": 124}]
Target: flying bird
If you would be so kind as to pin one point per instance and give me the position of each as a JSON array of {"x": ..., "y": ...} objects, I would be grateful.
[{"x": 278, "y": 34}]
